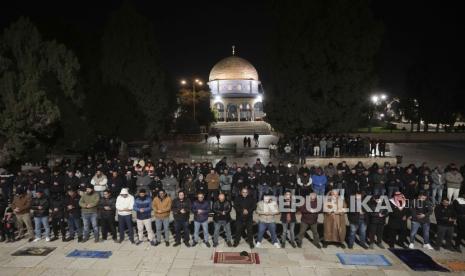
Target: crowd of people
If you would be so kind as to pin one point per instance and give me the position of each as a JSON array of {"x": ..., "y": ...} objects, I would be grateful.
[
  {"x": 328, "y": 146},
  {"x": 99, "y": 197}
]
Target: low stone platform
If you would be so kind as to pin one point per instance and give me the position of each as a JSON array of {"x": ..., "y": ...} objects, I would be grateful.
[{"x": 351, "y": 161}]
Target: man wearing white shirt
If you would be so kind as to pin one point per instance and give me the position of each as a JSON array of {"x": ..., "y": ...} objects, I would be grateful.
[
  {"x": 124, "y": 207},
  {"x": 99, "y": 181}
]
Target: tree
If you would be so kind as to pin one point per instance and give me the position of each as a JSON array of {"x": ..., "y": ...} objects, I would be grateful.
[
  {"x": 36, "y": 76},
  {"x": 130, "y": 60},
  {"x": 322, "y": 57},
  {"x": 204, "y": 115}
]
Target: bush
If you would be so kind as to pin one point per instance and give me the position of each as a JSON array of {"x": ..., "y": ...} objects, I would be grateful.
[{"x": 187, "y": 125}]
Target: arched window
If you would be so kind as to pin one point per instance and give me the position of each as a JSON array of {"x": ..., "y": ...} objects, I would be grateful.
[{"x": 239, "y": 87}]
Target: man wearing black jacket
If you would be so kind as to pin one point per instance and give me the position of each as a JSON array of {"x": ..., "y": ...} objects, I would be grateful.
[
  {"x": 445, "y": 219},
  {"x": 376, "y": 222},
  {"x": 358, "y": 221},
  {"x": 222, "y": 218},
  {"x": 73, "y": 214},
  {"x": 420, "y": 213},
  {"x": 40, "y": 208},
  {"x": 106, "y": 213},
  {"x": 397, "y": 223},
  {"x": 181, "y": 207},
  {"x": 459, "y": 208},
  {"x": 245, "y": 206},
  {"x": 58, "y": 221}
]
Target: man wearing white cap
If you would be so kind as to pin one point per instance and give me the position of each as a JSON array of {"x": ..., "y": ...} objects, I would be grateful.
[{"x": 124, "y": 207}]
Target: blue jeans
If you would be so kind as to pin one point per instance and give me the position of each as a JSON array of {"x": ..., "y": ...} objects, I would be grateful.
[
  {"x": 184, "y": 226},
  {"x": 319, "y": 190},
  {"x": 39, "y": 222},
  {"x": 361, "y": 226},
  {"x": 262, "y": 227},
  {"x": 277, "y": 190},
  {"x": 414, "y": 230},
  {"x": 204, "y": 229},
  {"x": 74, "y": 225},
  {"x": 288, "y": 227},
  {"x": 392, "y": 190},
  {"x": 436, "y": 193},
  {"x": 125, "y": 222},
  {"x": 227, "y": 228},
  {"x": 90, "y": 219},
  {"x": 166, "y": 228}
]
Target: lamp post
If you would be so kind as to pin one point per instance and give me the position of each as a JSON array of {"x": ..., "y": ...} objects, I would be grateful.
[
  {"x": 194, "y": 82},
  {"x": 375, "y": 101}
]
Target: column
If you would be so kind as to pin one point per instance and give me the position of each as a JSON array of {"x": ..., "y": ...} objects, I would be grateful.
[
  {"x": 253, "y": 110},
  {"x": 238, "y": 113},
  {"x": 224, "y": 110}
]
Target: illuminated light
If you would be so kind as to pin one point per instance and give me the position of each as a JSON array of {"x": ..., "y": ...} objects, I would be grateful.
[
  {"x": 374, "y": 98},
  {"x": 197, "y": 80},
  {"x": 200, "y": 83},
  {"x": 259, "y": 98},
  {"x": 383, "y": 97},
  {"x": 183, "y": 82},
  {"x": 381, "y": 115},
  {"x": 217, "y": 99}
]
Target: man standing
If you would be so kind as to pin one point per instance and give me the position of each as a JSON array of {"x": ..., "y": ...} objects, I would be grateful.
[
  {"x": 309, "y": 219},
  {"x": 89, "y": 202},
  {"x": 245, "y": 206},
  {"x": 267, "y": 209},
  {"x": 213, "y": 182},
  {"x": 40, "y": 207},
  {"x": 58, "y": 221},
  {"x": 201, "y": 208},
  {"x": 358, "y": 220},
  {"x": 73, "y": 214},
  {"x": 124, "y": 206},
  {"x": 445, "y": 218},
  {"x": 107, "y": 209},
  {"x": 288, "y": 219},
  {"x": 459, "y": 208},
  {"x": 99, "y": 181},
  {"x": 454, "y": 180},
  {"x": 181, "y": 209},
  {"x": 162, "y": 207},
  {"x": 222, "y": 209},
  {"x": 143, "y": 208},
  {"x": 420, "y": 214},
  {"x": 21, "y": 206}
]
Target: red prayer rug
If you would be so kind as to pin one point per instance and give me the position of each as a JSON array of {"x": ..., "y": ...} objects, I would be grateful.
[{"x": 235, "y": 258}]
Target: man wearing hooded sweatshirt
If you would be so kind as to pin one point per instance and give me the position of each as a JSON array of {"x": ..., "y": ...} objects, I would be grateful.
[
  {"x": 143, "y": 208},
  {"x": 162, "y": 206},
  {"x": 124, "y": 206},
  {"x": 89, "y": 202}
]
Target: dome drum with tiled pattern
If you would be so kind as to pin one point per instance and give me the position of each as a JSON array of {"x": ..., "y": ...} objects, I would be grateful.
[{"x": 236, "y": 92}]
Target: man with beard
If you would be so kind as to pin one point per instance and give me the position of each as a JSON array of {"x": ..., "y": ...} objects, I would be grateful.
[
  {"x": 222, "y": 209},
  {"x": 124, "y": 206},
  {"x": 420, "y": 215},
  {"x": 162, "y": 206},
  {"x": 115, "y": 183},
  {"x": 397, "y": 223},
  {"x": 143, "y": 208},
  {"x": 40, "y": 208},
  {"x": 245, "y": 206},
  {"x": 358, "y": 221},
  {"x": 181, "y": 207},
  {"x": 70, "y": 181},
  {"x": 58, "y": 218},
  {"x": 106, "y": 211},
  {"x": 73, "y": 214},
  {"x": 445, "y": 218},
  {"x": 21, "y": 206},
  {"x": 88, "y": 203}
]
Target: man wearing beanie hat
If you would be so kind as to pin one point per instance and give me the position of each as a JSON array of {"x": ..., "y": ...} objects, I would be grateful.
[
  {"x": 124, "y": 207},
  {"x": 89, "y": 202}
]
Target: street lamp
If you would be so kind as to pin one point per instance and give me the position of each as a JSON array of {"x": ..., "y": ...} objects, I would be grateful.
[{"x": 194, "y": 82}]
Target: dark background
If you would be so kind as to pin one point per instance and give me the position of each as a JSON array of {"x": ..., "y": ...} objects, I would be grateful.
[{"x": 194, "y": 35}]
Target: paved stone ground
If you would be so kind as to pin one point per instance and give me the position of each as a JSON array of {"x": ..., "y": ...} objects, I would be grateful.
[{"x": 129, "y": 259}]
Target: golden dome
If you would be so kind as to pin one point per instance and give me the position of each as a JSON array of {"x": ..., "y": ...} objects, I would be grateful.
[{"x": 233, "y": 68}]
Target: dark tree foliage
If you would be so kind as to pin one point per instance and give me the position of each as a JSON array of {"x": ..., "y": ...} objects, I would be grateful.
[
  {"x": 38, "y": 80},
  {"x": 131, "y": 61},
  {"x": 203, "y": 114},
  {"x": 322, "y": 57},
  {"x": 431, "y": 95}
]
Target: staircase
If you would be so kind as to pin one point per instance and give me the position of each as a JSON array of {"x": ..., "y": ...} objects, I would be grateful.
[{"x": 240, "y": 128}]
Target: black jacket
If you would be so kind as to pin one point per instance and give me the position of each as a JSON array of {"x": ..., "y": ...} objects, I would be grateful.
[
  {"x": 291, "y": 212},
  {"x": 57, "y": 206},
  {"x": 459, "y": 211},
  {"x": 178, "y": 205},
  {"x": 395, "y": 217},
  {"x": 219, "y": 208},
  {"x": 109, "y": 202},
  {"x": 377, "y": 216},
  {"x": 443, "y": 215},
  {"x": 40, "y": 202},
  {"x": 240, "y": 204},
  {"x": 74, "y": 212},
  {"x": 421, "y": 208}
]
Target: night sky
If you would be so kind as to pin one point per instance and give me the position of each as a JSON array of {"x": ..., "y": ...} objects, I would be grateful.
[{"x": 194, "y": 35}]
